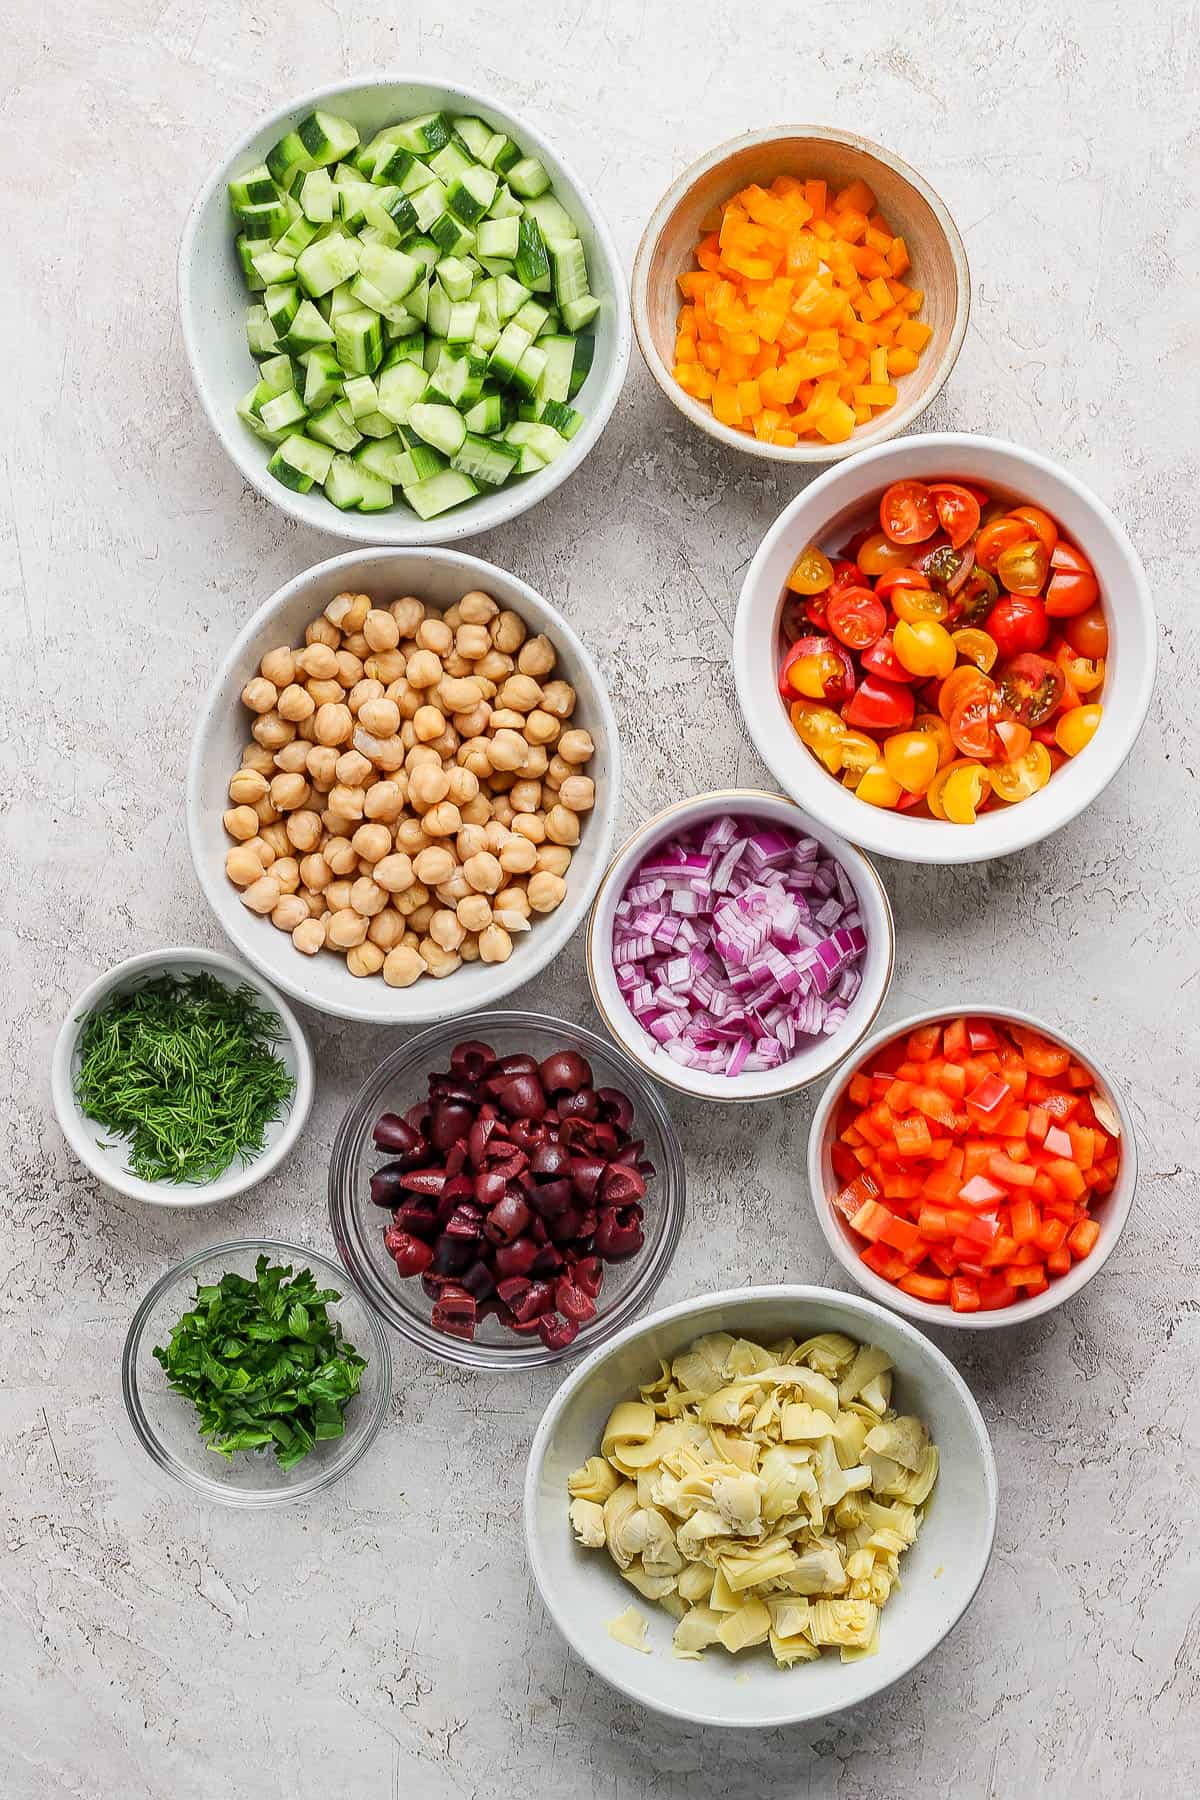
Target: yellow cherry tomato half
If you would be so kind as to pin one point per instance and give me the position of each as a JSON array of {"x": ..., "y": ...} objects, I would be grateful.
[
  {"x": 877, "y": 787},
  {"x": 977, "y": 647},
  {"x": 877, "y": 554},
  {"x": 1077, "y": 728},
  {"x": 925, "y": 648},
  {"x": 812, "y": 572},
  {"x": 963, "y": 791},
  {"x": 1013, "y": 781},
  {"x": 815, "y": 675},
  {"x": 858, "y": 751},
  {"x": 822, "y": 730},
  {"x": 911, "y": 758},
  {"x": 1085, "y": 673},
  {"x": 937, "y": 787},
  {"x": 918, "y": 603},
  {"x": 931, "y": 726},
  {"x": 1023, "y": 568}
]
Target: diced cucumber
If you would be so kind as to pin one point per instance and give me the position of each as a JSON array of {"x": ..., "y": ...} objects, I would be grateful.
[
  {"x": 298, "y": 236},
  {"x": 437, "y": 316},
  {"x": 400, "y": 387},
  {"x": 299, "y": 462},
  {"x": 469, "y": 196},
  {"x": 451, "y": 161},
  {"x": 564, "y": 419},
  {"x": 440, "y": 426},
  {"x": 487, "y": 336},
  {"x": 325, "y": 264},
  {"x": 484, "y": 461},
  {"x": 284, "y": 411},
  {"x": 376, "y": 494},
  {"x": 542, "y": 439},
  {"x": 322, "y": 378},
  {"x": 423, "y": 135},
  {"x": 490, "y": 414},
  {"x": 359, "y": 339},
  {"x": 391, "y": 164},
  {"x": 569, "y": 267},
  {"x": 463, "y": 319},
  {"x": 326, "y": 138},
  {"x": 429, "y": 204},
  {"x": 421, "y": 462},
  {"x": 288, "y": 159},
  {"x": 362, "y": 396},
  {"x": 396, "y": 214},
  {"x": 527, "y": 178},
  {"x": 317, "y": 196},
  {"x": 394, "y": 311},
  {"x": 417, "y": 302},
  {"x": 474, "y": 134},
  {"x": 585, "y": 350},
  {"x": 529, "y": 462},
  {"x": 506, "y": 205},
  {"x": 341, "y": 301},
  {"x": 247, "y": 412},
  {"x": 409, "y": 349},
  {"x": 456, "y": 277},
  {"x": 425, "y": 250},
  {"x": 553, "y": 220},
  {"x": 514, "y": 342},
  {"x": 271, "y": 267},
  {"x": 334, "y": 426},
  {"x": 439, "y": 493},
  {"x": 344, "y": 483},
  {"x": 277, "y": 374},
  {"x": 577, "y": 314},
  {"x": 532, "y": 264},
  {"x": 560, "y": 362},
  {"x": 500, "y": 153},
  {"x": 497, "y": 237},
  {"x": 255, "y": 188},
  {"x": 282, "y": 304},
  {"x": 353, "y": 197},
  {"x": 418, "y": 177},
  {"x": 385, "y": 457},
  {"x": 263, "y": 220},
  {"x": 531, "y": 317},
  {"x": 511, "y": 296},
  {"x": 260, "y": 333},
  {"x": 528, "y": 371},
  {"x": 375, "y": 425},
  {"x": 451, "y": 236},
  {"x": 391, "y": 272},
  {"x": 246, "y": 248},
  {"x": 307, "y": 329}
]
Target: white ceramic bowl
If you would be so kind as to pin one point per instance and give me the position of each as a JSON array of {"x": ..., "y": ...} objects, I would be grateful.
[
  {"x": 213, "y": 300},
  {"x": 582, "y": 1589},
  {"x": 1110, "y": 1213},
  {"x": 107, "y": 1160},
  {"x": 809, "y": 1064},
  {"x": 440, "y": 577},
  {"x": 839, "y": 503}
]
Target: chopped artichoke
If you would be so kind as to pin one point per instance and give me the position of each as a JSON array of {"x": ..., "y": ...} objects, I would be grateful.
[
  {"x": 903, "y": 1439},
  {"x": 587, "y": 1522},
  {"x": 629, "y": 1628},
  {"x": 595, "y": 1481},
  {"x": 698, "y": 1628},
  {"x": 869, "y": 1361}
]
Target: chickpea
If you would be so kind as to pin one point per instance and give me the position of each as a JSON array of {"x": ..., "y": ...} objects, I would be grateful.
[
  {"x": 408, "y": 613},
  {"x": 512, "y": 898},
  {"x": 541, "y": 727},
  {"x": 505, "y": 718},
  {"x": 317, "y": 661},
  {"x": 266, "y": 853},
  {"x": 340, "y": 854},
  {"x": 415, "y": 896},
  {"x": 459, "y": 695},
  {"x": 346, "y": 802},
  {"x": 386, "y": 929},
  {"x": 461, "y": 785},
  {"x": 453, "y": 615},
  {"x": 502, "y": 811},
  {"x": 385, "y": 753},
  {"x": 554, "y": 859},
  {"x": 273, "y": 732},
  {"x": 289, "y": 791},
  {"x": 484, "y": 872},
  {"x": 578, "y": 793},
  {"x": 506, "y": 750},
  {"x": 345, "y": 928},
  {"x": 472, "y": 642},
  {"x": 537, "y": 656},
  {"x": 474, "y": 912},
  {"x": 290, "y": 912},
  {"x": 495, "y": 836},
  {"x": 470, "y": 841},
  {"x": 296, "y": 703},
  {"x": 367, "y": 897},
  {"x": 558, "y": 699},
  {"x": 456, "y": 666},
  {"x": 306, "y": 730},
  {"x": 386, "y": 666},
  {"x": 525, "y": 796},
  {"x": 469, "y": 950},
  {"x": 419, "y": 917},
  {"x": 452, "y": 891},
  {"x": 531, "y": 826},
  {"x": 349, "y": 667},
  {"x": 256, "y": 756},
  {"x": 355, "y": 644},
  {"x": 562, "y": 825},
  {"x": 243, "y": 865},
  {"x": 409, "y": 836},
  {"x": 335, "y": 724},
  {"x": 361, "y": 692},
  {"x": 545, "y": 891},
  {"x": 557, "y": 773},
  {"x": 259, "y": 695},
  {"x": 241, "y": 822},
  {"x": 512, "y": 918},
  {"x": 423, "y": 669},
  {"x": 303, "y": 829},
  {"x": 395, "y": 873},
  {"x": 293, "y": 758},
  {"x": 353, "y": 769},
  {"x": 402, "y": 966},
  {"x": 275, "y": 838},
  {"x": 445, "y": 929},
  {"x": 320, "y": 631},
  {"x": 428, "y": 724},
  {"x": 286, "y": 871},
  {"x": 494, "y": 666},
  {"x": 321, "y": 761},
  {"x": 406, "y": 696},
  {"x": 384, "y": 800},
  {"x": 508, "y": 632},
  {"x": 314, "y": 902},
  {"x": 265, "y": 812},
  {"x": 518, "y": 856},
  {"x": 337, "y": 894},
  {"x": 347, "y": 611},
  {"x": 445, "y": 746},
  {"x": 380, "y": 629},
  {"x": 324, "y": 693},
  {"x": 278, "y": 666},
  {"x": 477, "y": 608},
  {"x": 309, "y": 936},
  {"x": 434, "y": 865},
  {"x": 364, "y": 959},
  {"x": 477, "y": 811},
  {"x": 439, "y": 962},
  {"x": 247, "y": 787},
  {"x": 442, "y": 820},
  {"x": 434, "y": 634},
  {"x": 380, "y": 717},
  {"x": 473, "y": 723},
  {"x": 576, "y": 746},
  {"x": 521, "y": 693},
  {"x": 495, "y": 945},
  {"x": 427, "y": 786},
  {"x": 372, "y": 842},
  {"x": 262, "y": 896},
  {"x": 315, "y": 872}
]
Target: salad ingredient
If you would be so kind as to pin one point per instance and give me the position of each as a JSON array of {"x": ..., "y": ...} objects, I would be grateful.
[
  {"x": 949, "y": 611},
  {"x": 761, "y": 1494},
  {"x": 421, "y": 316},
  {"x": 415, "y": 787},
  {"x": 629, "y": 1628},
  {"x": 736, "y": 943},
  {"x": 185, "y": 1069},
  {"x": 796, "y": 323},
  {"x": 263, "y": 1363},
  {"x": 510, "y": 1187},
  {"x": 971, "y": 1154}
]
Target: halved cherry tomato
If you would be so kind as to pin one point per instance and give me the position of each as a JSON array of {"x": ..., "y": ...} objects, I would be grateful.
[
  {"x": 931, "y": 726},
  {"x": 1073, "y": 585},
  {"x": 1031, "y": 688},
  {"x": 957, "y": 510},
  {"x": 1013, "y": 781},
  {"x": 821, "y": 729},
  {"x": 957, "y": 685},
  {"x": 1087, "y": 633},
  {"x": 1077, "y": 728},
  {"x": 976, "y": 597},
  {"x": 879, "y": 705},
  {"x": 858, "y": 751},
  {"x": 877, "y": 553},
  {"x": 976, "y": 646},
  {"x": 812, "y": 572},
  {"x": 845, "y": 575},
  {"x": 1040, "y": 523},
  {"x": 914, "y": 603},
  {"x": 911, "y": 758},
  {"x": 891, "y": 579},
  {"x": 972, "y": 723},
  {"x": 925, "y": 648},
  {"x": 933, "y": 793},
  {"x": 1000, "y": 534},
  {"x": 794, "y": 620},
  {"x": 1015, "y": 737},
  {"x": 1018, "y": 623},
  {"x": 907, "y": 513},
  {"x": 1023, "y": 567},
  {"x": 878, "y": 787},
  {"x": 881, "y": 659},
  {"x": 1083, "y": 673},
  {"x": 816, "y": 668},
  {"x": 856, "y": 617}
]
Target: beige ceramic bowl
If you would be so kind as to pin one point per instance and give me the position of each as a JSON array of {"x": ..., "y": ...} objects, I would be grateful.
[{"x": 939, "y": 266}]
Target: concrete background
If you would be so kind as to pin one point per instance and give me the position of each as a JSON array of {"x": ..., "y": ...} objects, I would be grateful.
[{"x": 385, "y": 1641}]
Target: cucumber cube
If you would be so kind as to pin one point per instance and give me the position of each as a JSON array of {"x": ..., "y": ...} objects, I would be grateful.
[
  {"x": 362, "y": 396},
  {"x": 326, "y": 138},
  {"x": 343, "y": 484},
  {"x": 497, "y": 237},
  {"x": 288, "y": 159},
  {"x": 282, "y": 304},
  {"x": 440, "y": 426},
  {"x": 423, "y": 135},
  {"x": 260, "y": 333},
  {"x": 359, "y": 339},
  {"x": 255, "y": 188},
  {"x": 527, "y": 177},
  {"x": 439, "y": 493},
  {"x": 451, "y": 236},
  {"x": 532, "y": 263},
  {"x": 463, "y": 319},
  {"x": 577, "y": 314},
  {"x": 400, "y": 387},
  {"x": 322, "y": 378},
  {"x": 273, "y": 268},
  {"x": 264, "y": 220},
  {"x": 317, "y": 197},
  {"x": 390, "y": 272},
  {"x": 474, "y": 134},
  {"x": 392, "y": 164},
  {"x": 299, "y": 462},
  {"x": 283, "y": 411},
  {"x": 325, "y": 264},
  {"x": 334, "y": 426},
  {"x": 469, "y": 196}
]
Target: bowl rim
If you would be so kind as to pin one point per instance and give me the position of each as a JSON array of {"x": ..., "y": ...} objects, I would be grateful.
[
  {"x": 893, "y": 834},
  {"x": 395, "y": 526},
  {"x": 898, "y": 418},
  {"x": 927, "y": 1312},
  {"x": 854, "y": 860},
  {"x": 158, "y": 1450},
  {"x": 499, "y": 1358},
  {"x": 731, "y": 1299},
  {"x": 81, "y": 1137},
  {"x": 555, "y": 931}
]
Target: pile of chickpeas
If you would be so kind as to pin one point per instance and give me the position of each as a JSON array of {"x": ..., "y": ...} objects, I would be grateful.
[{"x": 413, "y": 789}]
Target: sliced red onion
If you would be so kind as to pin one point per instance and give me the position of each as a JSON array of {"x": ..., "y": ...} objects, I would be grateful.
[{"x": 737, "y": 944}]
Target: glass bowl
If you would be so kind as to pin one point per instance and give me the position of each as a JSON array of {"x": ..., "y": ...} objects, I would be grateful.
[
  {"x": 165, "y": 1422},
  {"x": 358, "y": 1226}
]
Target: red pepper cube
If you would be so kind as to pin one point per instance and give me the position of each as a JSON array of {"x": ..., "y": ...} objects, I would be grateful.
[{"x": 988, "y": 1098}]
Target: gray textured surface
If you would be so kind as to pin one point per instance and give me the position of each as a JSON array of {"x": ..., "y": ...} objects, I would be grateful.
[{"x": 385, "y": 1642}]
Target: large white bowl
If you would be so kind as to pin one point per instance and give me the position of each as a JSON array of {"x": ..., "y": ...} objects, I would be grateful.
[
  {"x": 940, "y": 1574},
  {"x": 107, "y": 1158},
  {"x": 440, "y": 577},
  {"x": 1110, "y": 1213},
  {"x": 812, "y": 1061},
  {"x": 213, "y": 301},
  {"x": 826, "y": 513}
]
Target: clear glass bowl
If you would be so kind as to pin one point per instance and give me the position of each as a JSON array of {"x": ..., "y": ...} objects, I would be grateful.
[
  {"x": 165, "y": 1422},
  {"x": 398, "y": 1083}
]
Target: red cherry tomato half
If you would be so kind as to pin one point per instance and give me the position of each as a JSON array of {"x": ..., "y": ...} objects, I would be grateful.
[
  {"x": 907, "y": 512},
  {"x": 971, "y": 723},
  {"x": 816, "y": 609},
  {"x": 856, "y": 617},
  {"x": 1073, "y": 585},
  {"x": 845, "y": 575},
  {"x": 1017, "y": 624},
  {"x": 1031, "y": 689},
  {"x": 879, "y": 705},
  {"x": 794, "y": 620},
  {"x": 881, "y": 659},
  {"x": 1040, "y": 523},
  {"x": 828, "y": 660},
  {"x": 998, "y": 535},
  {"x": 957, "y": 511},
  {"x": 1087, "y": 633},
  {"x": 900, "y": 578}
]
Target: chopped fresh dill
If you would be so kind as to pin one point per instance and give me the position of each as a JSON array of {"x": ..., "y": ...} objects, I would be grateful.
[{"x": 184, "y": 1068}]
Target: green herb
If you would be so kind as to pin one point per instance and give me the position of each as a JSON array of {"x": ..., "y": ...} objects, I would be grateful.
[
  {"x": 184, "y": 1068},
  {"x": 263, "y": 1363}
]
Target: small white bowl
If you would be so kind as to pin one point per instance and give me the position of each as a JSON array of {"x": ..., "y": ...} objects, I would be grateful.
[
  {"x": 828, "y": 512},
  {"x": 440, "y": 577},
  {"x": 808, "y": 1064},
  {"x": 213, "y": 299},
  {"x": 1110, "y": 1213},
  {"x": 583, "y": 1591},
  {"x": 107, "y": 1159}
]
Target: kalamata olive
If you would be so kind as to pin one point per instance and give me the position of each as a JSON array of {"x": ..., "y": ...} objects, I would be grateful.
[
  {"x": 616, "y": 1108},
  {"x": 415, "y": 1217},
  {"x": 550, "y": 1161},
  {"x": 387, "y": 1186},
  {"x": 589, "y": 1218},
  {"x": 523, "y": 1327},
  {"x": 397, "y": 1135},
  {"x": 451, "y": 1255},
  {"x": 418, "y": 1116},
  {"x": 537, "y": 1229},
  {"x": 423, "y": 1181},
  {"x": 523, "y": 1097},
  {"x": 477, "y": 1138},
  {"x": 606, "y": 1140},
  {"x": 550, "y": 1198},
  {"x": 516, "y": 1258},
  {"x": 573, "y": 1301},
  {"x": 455, "y": 1312},
  {"x": 565, "y": 1072},
  {"x": 563, "y": 1226},
  {"x": 472, "y": 1058},
  {"x": 586, "y": 1173},
  {"x": 504, "y": 1070},
  {"x": 410, "y": 1255},
  {"x": 630, "y": 1152},
  {"x": 537, "y": 1298},
  {"x": 583, "y": 1105},
  {"x": 620, "y": 1186},
  {"x": 507, "y": 1220},
  {"x": 547, "y": 1261},
  {"x": 478, "y": 1281},
  {"x": 508, "y": 1161},
  {"x": 619, "y": 1233},
  {"x": 588, "y": 1273},
  {"x": 489, "y": 1187},
  {"x": 511, "y": 1288},
  {"x": 458, "y": 1187},
  {"x": 579, "y": 1135},
  {"x": 433, "y": 1283},
  {"x": 466, "y": 1221},
  {"x": 556, "y": 1332},
  {"x": 527, "y": 1134},
  {"x": 448, "y": 1087},
  {"x": 450, "y": 1121}
]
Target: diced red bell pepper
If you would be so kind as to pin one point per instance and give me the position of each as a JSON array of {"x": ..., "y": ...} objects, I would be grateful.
[
  {"x": 988, "y": 1098},
  {"x": 856, "y": 1193},
  {"x": 964, "y": 1295},
  {"x": 1058, "y": 1142},
  {"x": 1012, "y": 1173},
  {"x": 926, "y": 1287},
  {"x": 979, "y": 1191},
  {"x": 923, "y": 1043},
  {"x": 1083, "y": 1238},
  {"x": 913, "y": 1136}
]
